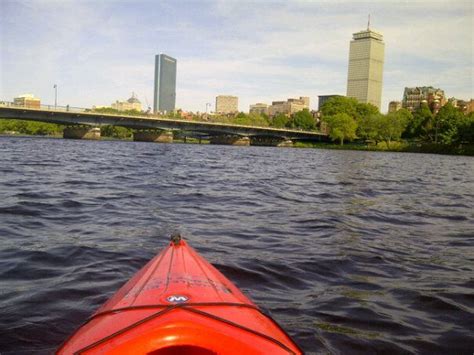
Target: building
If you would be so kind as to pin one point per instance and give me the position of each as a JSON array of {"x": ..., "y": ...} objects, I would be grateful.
[
  {"x": 185, "y": 115},
  {"x": 464, "y": 106},
  {"x": 131, "y": 104},
  {"x": 394, "y": 106},
  {"x": 259, "y": 108},
  {"x": 289, "y": 106},
  {"x": 27, "y": 100},
  {"x": 365, "y": 73},
  {"x": 303, "y": 99},
  {"x": 165, "y": 84},
  {"x": 470, "y": 106},
  {"x": 414, "y": 97},
  {"x": 227, "y": 104},
  {"x": 323, "y": 98}
]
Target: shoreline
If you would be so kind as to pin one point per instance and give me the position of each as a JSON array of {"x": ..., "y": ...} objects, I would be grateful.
[{"x": 395, "y": 147}]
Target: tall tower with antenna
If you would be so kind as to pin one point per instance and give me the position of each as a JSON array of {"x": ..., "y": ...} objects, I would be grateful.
[{"x": 365, "y": 73}]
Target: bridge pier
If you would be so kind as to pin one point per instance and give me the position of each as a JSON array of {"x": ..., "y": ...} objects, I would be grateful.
[
  {"x": 81, "y": 132},
  {"x": 285, "y": 143},
  {"x": 271, "y": 141},
  {"x": 228, "y": 139},
  {"x": 153, "y": 136}
]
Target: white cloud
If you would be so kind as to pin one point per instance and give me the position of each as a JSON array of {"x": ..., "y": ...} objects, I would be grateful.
[{"x": 259, "y": 51}]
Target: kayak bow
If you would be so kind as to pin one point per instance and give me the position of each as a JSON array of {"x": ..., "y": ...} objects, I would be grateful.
[{"x": 179, "y": 303}]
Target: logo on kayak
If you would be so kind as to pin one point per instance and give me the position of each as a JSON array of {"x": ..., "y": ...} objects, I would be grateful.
[{"x": 177, "y": 299}]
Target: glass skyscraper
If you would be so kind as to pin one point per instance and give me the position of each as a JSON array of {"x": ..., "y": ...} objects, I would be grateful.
[{"x": 165, "y": 84}]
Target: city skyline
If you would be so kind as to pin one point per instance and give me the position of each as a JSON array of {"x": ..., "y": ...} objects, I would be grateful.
[{"x": 270, "y": 53}]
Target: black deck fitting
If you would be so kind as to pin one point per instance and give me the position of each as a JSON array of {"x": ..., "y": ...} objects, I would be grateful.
[{"x": 175, "y": 239}]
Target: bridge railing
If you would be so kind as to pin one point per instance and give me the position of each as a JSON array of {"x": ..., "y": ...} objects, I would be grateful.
[
  {"x": 68, "y": 108},
  {"x": 59, "y": 108}
]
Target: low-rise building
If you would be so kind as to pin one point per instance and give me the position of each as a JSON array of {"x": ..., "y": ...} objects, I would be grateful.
[
  {"x": 463, "y": 105},
  {"x": 259, "y": 108},
  {"x": 470, "y": 106},
  {"x": 394, "y": 106},
  {"x": 131, "y": 104},
  {"x": 289, "y": 106},
  {"x": 226, "y": 104},
  {"x": 414, "y": 97},
  {"x": 186, "y": 115},
  {"x": 27, "y": 100}
]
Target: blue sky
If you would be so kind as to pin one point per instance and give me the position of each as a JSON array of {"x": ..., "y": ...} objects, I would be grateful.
[{"x": 261, "y": 51}]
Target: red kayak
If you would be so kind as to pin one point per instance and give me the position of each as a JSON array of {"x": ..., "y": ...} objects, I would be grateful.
[{"x": 179, "y": 304}]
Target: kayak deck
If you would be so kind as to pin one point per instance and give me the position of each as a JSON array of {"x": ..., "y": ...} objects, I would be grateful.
[{"x": 179, "y": 303}]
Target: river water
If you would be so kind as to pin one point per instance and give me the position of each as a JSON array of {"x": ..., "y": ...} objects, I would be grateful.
[{"x": 351, "y": 252}]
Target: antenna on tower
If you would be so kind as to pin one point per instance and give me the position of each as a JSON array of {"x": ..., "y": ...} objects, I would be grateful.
[{"x": 368, "y": 24}]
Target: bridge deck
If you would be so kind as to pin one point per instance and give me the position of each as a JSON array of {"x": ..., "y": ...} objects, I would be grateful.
[{"x": 75, "y": 116}]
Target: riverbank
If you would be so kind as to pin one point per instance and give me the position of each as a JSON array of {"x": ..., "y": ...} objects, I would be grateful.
[
  {"x": 402, "y": 147},
  {"x": 179, "y": 140},
  {"x": 25, "y": 135}
]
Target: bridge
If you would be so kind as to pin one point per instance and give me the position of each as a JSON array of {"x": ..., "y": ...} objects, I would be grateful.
[{"x": 85, "y": 124}]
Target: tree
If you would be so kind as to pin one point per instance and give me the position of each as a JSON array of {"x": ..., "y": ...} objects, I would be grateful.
[
  {"x": 30, "y": 127},
  {"x": 391, "y": 126},
  {"x": 365, "y": 114},
  {"x": 340, "y": 104},
  {"x": 420, "y": 118},
  {"x": 113, "y": 111},
  {"x": 260, "y": 120},
  {"x": 265, "y": 117},
  {"x": 465, "y": 129},
  {"x": 445, "y": 124},
  {"x": 241, "y": 119},
  {"x": 252, "y": 119},
  {"x": 138, "y": 113},
  {"x": 407, "y": 116},
  {"x": 280, "y": 121},
  {"x": 364, "y": 110},
  {"x": 302, "y": 119},
  {"x": 106, "y": 110},
  {"x": 116, "y": 132},
  {"x": 341, "y": 126},
  {"x": 368, "y": 126}
]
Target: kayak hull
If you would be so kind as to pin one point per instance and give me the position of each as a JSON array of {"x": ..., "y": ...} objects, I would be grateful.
[{"x": 179, "y": 303}]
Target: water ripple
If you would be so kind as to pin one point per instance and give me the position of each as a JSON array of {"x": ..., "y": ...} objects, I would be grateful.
[{"x": 351, "y": 252}]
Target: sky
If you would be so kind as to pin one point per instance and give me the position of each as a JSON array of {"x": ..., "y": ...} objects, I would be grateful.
[{"x": 98, "y": 52}]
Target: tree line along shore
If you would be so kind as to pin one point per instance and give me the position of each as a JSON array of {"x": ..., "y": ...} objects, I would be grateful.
[{"x": 349, "y": 124}]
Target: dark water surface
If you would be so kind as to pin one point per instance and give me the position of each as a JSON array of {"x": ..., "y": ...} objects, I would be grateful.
[{"x": 351, "y": 252}]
